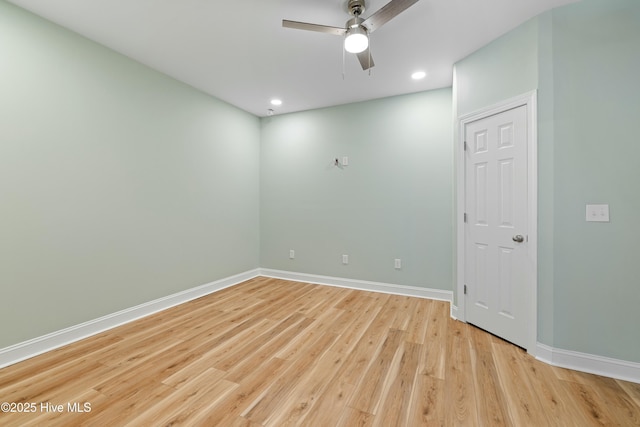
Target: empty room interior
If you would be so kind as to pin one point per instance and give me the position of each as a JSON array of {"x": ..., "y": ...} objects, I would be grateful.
[{"x": 454, "y": 249}]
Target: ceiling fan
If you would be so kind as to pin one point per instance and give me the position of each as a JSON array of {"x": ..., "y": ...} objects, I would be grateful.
[{"x": 357, "y": 29}]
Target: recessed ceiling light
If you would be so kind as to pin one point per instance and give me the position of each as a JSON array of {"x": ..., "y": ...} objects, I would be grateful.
[
  {"x": 276, "y": 102},
  {"x": 418, "y": 75}
]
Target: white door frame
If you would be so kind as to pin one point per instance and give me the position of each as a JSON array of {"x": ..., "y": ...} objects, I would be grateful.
[{"x": 530, "y": 101}]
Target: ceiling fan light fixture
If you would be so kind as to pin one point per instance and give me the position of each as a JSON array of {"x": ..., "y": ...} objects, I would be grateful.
[
  {"x": 356, "y": 30},
  {"x": 356, "y": 40}
]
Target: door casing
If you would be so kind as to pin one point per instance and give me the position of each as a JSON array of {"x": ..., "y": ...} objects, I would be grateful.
[{"x": 530, "y": 101}]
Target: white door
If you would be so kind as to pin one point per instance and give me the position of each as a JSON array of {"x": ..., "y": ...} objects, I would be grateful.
[{"x": 496, "y": 235}]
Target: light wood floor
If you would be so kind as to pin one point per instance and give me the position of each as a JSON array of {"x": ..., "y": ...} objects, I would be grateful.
[{"x": 278, "y": 353}]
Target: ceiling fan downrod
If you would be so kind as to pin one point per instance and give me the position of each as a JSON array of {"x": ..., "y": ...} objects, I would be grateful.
[{"x": 356, "y": 7}]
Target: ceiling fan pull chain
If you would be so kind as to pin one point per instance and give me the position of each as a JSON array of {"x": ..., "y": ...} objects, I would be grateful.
[
  {"x": 369, "y": 55},
  {"x": 344, "y": 72}
]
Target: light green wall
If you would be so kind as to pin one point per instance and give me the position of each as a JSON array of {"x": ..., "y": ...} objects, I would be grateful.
[
  {"x": 596, "y": 62},
  {"x": 546, "y": 182},
  {"x": 118, "y": 185},
  {"x": 505, "y": 68},
  {"x": 584, "y": 60},
  {"x": 394, "y": 200}
]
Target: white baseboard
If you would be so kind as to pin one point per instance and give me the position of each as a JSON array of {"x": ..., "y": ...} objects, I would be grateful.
[
  {"x": 387, "y": 288},
  {"x": 590, "y": 363},
  {"x": 599, "y": 365},
  {"x": 454, "y": 311},
  {"x": 39, "y": 345},
  {"x": 28, "y": 349}
]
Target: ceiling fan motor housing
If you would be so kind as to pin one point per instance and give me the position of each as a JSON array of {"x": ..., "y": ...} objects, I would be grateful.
[{"x": 355, "y": 22}]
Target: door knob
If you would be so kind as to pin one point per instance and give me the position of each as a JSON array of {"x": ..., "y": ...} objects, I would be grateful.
[{"x": 518, "y": 238}]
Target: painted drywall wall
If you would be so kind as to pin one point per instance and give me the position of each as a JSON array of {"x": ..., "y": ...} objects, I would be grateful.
[
  {"x": 584, "y": 60},
  {"x": 596, "y": 64},
  {"x": 506, "y": 67},
  {"x": 118, "y": 185},
  {"x": 393, "y": 200},
  {"x": 546, "y": 181}
]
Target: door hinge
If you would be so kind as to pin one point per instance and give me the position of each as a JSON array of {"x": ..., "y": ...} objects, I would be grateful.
[
  {"x": 465, "y": 146},
  {"x": 465, "y": 217},
  {"x": 465, "y": 289}
]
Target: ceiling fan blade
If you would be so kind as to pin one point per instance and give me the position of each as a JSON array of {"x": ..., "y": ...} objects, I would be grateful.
[
  {"x": 366, "y": 60},
  {"x": 387, "y": 13},
  {"x": 313, "y": 27}
]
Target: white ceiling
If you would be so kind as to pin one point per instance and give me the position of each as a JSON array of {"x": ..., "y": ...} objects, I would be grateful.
[{"x": 237, "y": 50}]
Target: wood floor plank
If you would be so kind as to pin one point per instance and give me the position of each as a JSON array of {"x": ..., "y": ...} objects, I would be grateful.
[
  {"x": 632, "y": 389},
  {"x": 238, "y": 354},
  {"x": 524, "y": 405},
  {"x": 254, "y": 385},
  {"x": 282, "y": 311},
  {"x": 459, "y": 391},
  {"x": 221, "y": 352},
  {"x": 45, "y": 385},
  {"x": 325, "y": 297},
  {"x": 438, "y": 321},
  {"x": 355, "y": 329},
  {"x": 588, "y": 403},
  {"x": 394, "y": 408},
  {"x": 612, "y": 396},
  {"x": 402, "y": 306},
  {"x": 277, "y": 353},
  {"x": 355, "y": 418},
  {"x": 308, "y": 390},
  {"x": 131, "y": 351},
  {"x": 490, "y": 398},
  {"x": 187, "y": 403},
  {"x": 560, "y": 405},
  {"x": 43, "y": 364},
  {"x": 370, "y": 389},
  {"x": 128, "y": 404},
  {"x": 428, "y": 406},
  {"x": 255, "y": 360},
  {"x": 419, "y": 321},
  {"x": 297, "y": 346},
  {"x": 326, "y": 410},
  {"x": 369, "y": 344},
  {"x": 70, "y": 416},
  {"x": 267, "y": 406},
  {"x": 358, "y": 307}
]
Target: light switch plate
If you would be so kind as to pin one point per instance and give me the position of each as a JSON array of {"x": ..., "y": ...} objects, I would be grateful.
[{"x": 597, "y": 213}]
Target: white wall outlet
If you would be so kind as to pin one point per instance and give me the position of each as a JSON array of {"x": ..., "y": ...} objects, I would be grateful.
[
  {"x": 397, "y": 264},
  {"x": 292, "y": 254},
  {"x": 345, "y": 259},
  {"x": 345, "y": 161},
  {"x": 598, "y": 213}
]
